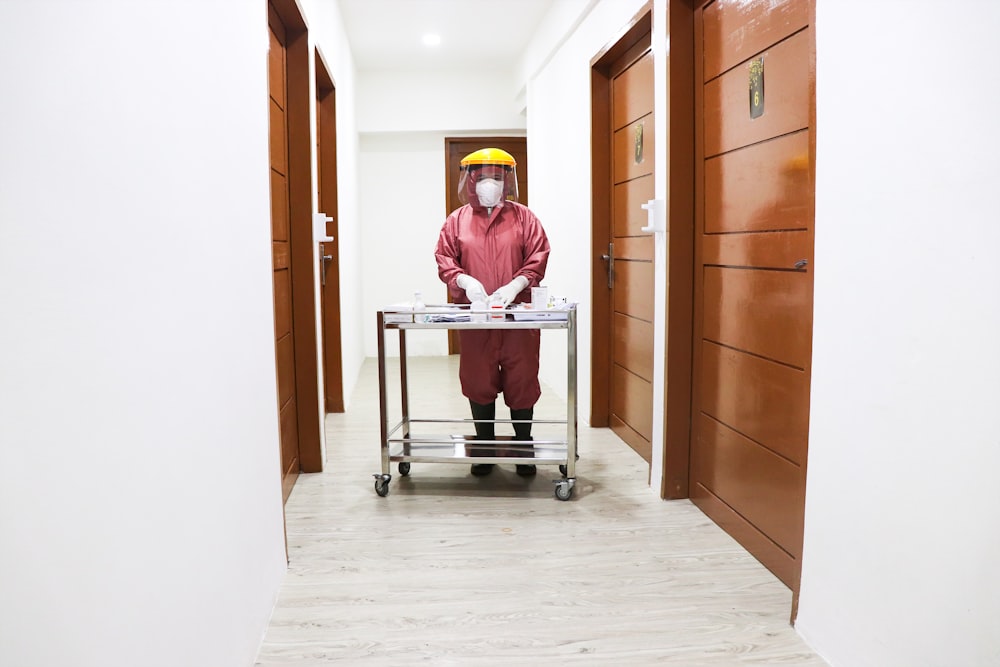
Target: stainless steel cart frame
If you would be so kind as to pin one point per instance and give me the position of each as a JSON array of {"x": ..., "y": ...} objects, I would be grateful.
[{"x": 398, "y": 447}]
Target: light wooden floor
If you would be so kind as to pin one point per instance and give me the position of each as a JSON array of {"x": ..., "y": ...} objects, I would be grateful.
[{"x": 451, "y": 569}]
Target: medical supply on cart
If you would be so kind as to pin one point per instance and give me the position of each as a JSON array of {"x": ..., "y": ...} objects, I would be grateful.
[
  {"x": 525, "y": 312},
  {"x": 497, "y": 311},
  {"x": 539, "y": 297},
  {"x": 419, "y": 307},
  {"x": 478, "y": 311}
]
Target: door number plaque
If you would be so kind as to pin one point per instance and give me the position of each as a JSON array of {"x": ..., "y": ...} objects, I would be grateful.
[
  {"x": 757, "y": 88},
  {"x": 638, "y": 143}
]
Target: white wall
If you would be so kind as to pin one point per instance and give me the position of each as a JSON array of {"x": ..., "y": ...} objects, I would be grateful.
[
  {"x": 403, "y": 195},
  {"x": 140, "y": 504},
  {"x": 559, "y": 149},
  {"x": 326, "y": 32},
  {"x": 902, "y": 511},
  {"x": 456, "y": 101}
]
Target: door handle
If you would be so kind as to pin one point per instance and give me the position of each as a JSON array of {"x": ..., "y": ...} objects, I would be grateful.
[
  {"x": 324, "y": 260},
  {"x": 610, "y": 259}
]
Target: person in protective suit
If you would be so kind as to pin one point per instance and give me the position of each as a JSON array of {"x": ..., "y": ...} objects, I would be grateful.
[{"x": 494, "y": 250}]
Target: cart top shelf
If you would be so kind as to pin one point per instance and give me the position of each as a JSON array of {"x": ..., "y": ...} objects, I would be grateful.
[{"x": 455, "y": 316}]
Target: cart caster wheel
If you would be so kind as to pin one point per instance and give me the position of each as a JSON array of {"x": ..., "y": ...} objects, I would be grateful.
[
  {"x": 564, "y": 490},
  {"x": 382, "y": 484},
  {"x": 404, "y": 468}
]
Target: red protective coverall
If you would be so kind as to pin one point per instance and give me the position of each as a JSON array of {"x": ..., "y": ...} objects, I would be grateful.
[{"x": 494, "y": 249}]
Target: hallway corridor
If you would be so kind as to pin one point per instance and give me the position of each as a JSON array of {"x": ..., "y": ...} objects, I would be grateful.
[{"x": 451, "y": 569}]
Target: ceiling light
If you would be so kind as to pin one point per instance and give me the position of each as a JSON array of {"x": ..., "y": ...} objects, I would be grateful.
[{"x": 430, "y": 39}]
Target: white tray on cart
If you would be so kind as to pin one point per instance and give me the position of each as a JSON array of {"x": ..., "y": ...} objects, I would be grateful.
[
  {"x": 525, "y": 313},
  {"x": 399, "y": 447}
]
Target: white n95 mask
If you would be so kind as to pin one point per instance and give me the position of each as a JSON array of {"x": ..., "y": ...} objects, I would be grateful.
[{"x": 489, "y": 192}]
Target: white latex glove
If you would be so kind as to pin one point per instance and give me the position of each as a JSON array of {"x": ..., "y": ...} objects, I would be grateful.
[
  {"x": 509, "y": 292},
  {"x": 474, "y": 289}
]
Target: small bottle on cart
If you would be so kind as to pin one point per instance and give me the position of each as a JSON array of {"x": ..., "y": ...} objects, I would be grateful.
[
  {"x": 477, "y": 311},
  {"x": 497, "y": 311},
  {"x": 419, "y": 307}
]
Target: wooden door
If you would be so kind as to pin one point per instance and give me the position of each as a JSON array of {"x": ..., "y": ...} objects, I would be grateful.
[
  {"x": 329, "y": 252},
  {"x": 455, "y": 150},
  {"x": 623, "y": 276},
  {"x": 754, "y": 220},
  {"x": 284, "y": 339},
  {"x": 632, "y": 285},
  {"x": 292, "y": 245}
]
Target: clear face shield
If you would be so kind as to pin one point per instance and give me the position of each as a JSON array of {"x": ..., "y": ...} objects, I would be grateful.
[{"x": 486, "y": 185}]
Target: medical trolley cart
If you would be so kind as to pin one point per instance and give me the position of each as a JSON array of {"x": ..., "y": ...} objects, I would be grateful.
[{"x": 399, "y": 447}]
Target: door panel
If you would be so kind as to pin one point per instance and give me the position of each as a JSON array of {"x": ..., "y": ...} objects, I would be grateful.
[
  {"x": 787, "y": 73},
  {"x": 629, "y": 404},
  {"x": 776, "y": 250},
  {"x": 633, "y": 288},
  {"x": 632, "y": 97},
  {"x": 631, "y": 391},
  {"x": 766, "y": 488},
  {"x": 286, "y": 374},
  {"x": 277, "y": 139},
  {"x": 276, "y": 62},
  {"x": 289, "y": 441},
  {"x": 284, "y": 338},
  {"x": 635, "y": 248},
  {"x": 282, "y": 297},
  {"x": 766, "y": 401},
  {"x": 738, "y": 30},
  {"x": 754, "y": 219},
  {"x": 633, "y": 147},
  {"x": 629, "y": 216},
  {"x": 279, "y": 207},
  {"x": 633, "y": 345},
  {"x": 754, "y": 192},
  {"x": 329, "y": 251},
  {"x": 630, "y": 407},
  {"x": 760, "y": 312}
]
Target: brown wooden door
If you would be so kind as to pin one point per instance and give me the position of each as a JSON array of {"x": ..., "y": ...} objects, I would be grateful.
[
  {"x": 631, "y": 323},
  {"x": 623, "y": 171},
  {"x": 754, "y": 220},
  {"x": 329, "y": 252},
  {"x": 284, "y": 339},
  {"x": 455, "y": 150}
]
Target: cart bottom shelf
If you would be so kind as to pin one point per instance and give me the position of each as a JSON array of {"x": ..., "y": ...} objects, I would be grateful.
[
  {"x": 459, "y": 448},
  {"x": 467, "y": 449}
]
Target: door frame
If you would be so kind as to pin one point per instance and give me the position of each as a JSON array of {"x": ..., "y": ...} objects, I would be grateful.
[
  {"x": 328, "y": 203},
  {"x": 678, "y": 362},
  {"x": 300, "y": 206},
  {"x": 679, "y": 295}
]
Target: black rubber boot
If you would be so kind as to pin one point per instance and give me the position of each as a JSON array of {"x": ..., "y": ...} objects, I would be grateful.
[
  {"x": 484, "y": 431},
  {"x": 522, "y": 432}
]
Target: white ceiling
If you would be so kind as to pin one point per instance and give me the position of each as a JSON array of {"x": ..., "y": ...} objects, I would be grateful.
[{"x": 387, "y": 34}]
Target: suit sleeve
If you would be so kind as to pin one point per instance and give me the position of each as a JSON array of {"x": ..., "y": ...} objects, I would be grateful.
[
  {"x": 536, "y": 250},
  {"x": 448, "y": 254}
]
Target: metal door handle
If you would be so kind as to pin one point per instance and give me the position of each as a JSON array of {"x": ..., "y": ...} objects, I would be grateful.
[
  {"x": 322, "y": 272},
  {"x": 610, "y": 259}
]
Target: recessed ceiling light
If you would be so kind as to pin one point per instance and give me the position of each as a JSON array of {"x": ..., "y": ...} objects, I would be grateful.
[{"x": 430, "y": 39}]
